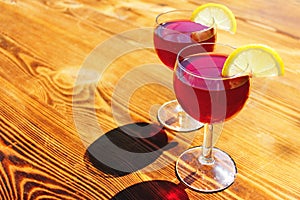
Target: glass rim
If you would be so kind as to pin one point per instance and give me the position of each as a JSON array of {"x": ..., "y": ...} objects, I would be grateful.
[
  {"x": 178, "y": 63},
  {"x": 170, "y": 11},
  {"x": 213, "y": 25}
]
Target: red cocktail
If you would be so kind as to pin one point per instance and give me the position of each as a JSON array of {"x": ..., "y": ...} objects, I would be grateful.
[
  {"x": 209, "y": 97},
  {"x": 171, "y": 36},
  {"x": 174, "y": 30}
]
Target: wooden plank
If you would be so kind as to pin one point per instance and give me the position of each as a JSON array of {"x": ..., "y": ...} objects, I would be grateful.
[{"x": 44, "y": 45}]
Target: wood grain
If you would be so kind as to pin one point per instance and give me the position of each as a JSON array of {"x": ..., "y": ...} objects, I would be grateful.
[{"x": 48, "y": 120}]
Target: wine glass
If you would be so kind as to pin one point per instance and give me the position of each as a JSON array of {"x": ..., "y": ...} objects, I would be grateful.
[
  {"x": 174, "y": 31},
  {"x": 210, "y": 98}
]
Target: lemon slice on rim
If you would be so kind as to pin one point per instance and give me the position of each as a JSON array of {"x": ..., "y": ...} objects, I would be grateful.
[
  {"x": 210, "y": 13},
  {"x": 257, "y": 60}
]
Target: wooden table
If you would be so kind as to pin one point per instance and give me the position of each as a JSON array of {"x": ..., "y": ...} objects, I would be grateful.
[{"x": 82, "y": 74}]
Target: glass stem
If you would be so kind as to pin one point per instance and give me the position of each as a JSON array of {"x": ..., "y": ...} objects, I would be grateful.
[
  {"x": 207, "y": 158},
  {"x": 180, "y": 115}
]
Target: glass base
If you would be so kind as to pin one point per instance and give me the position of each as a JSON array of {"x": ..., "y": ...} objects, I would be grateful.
[
  {"x": 171, "y": 116},
  {"x": 207, "y": 178}
]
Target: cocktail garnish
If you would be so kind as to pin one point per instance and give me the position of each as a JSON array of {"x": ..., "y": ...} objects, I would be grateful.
[
  {"x": 257, "y": 60},
  {"x": 210, "y": 13}
]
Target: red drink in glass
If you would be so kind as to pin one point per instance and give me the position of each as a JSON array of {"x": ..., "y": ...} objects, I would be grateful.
[
  {"x": 210, "y": 99},
  {"x": 174, "y": 30},
  {"x": 170, "y": 37}
]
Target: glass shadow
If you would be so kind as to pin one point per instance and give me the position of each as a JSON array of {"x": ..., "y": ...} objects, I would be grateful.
[
  {"x": 153, "y": 190},
  {"x": 128, "y": 148}
]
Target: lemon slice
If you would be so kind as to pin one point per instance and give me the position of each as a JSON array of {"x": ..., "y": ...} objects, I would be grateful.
[
  {"x": 210, "y": 13},
  {"x": 256, "y": 60}
]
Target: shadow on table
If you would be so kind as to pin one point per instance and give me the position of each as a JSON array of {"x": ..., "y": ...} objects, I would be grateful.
[
  {"x": 153, "y": 190},
  {"x": 128, "y": 148}
]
